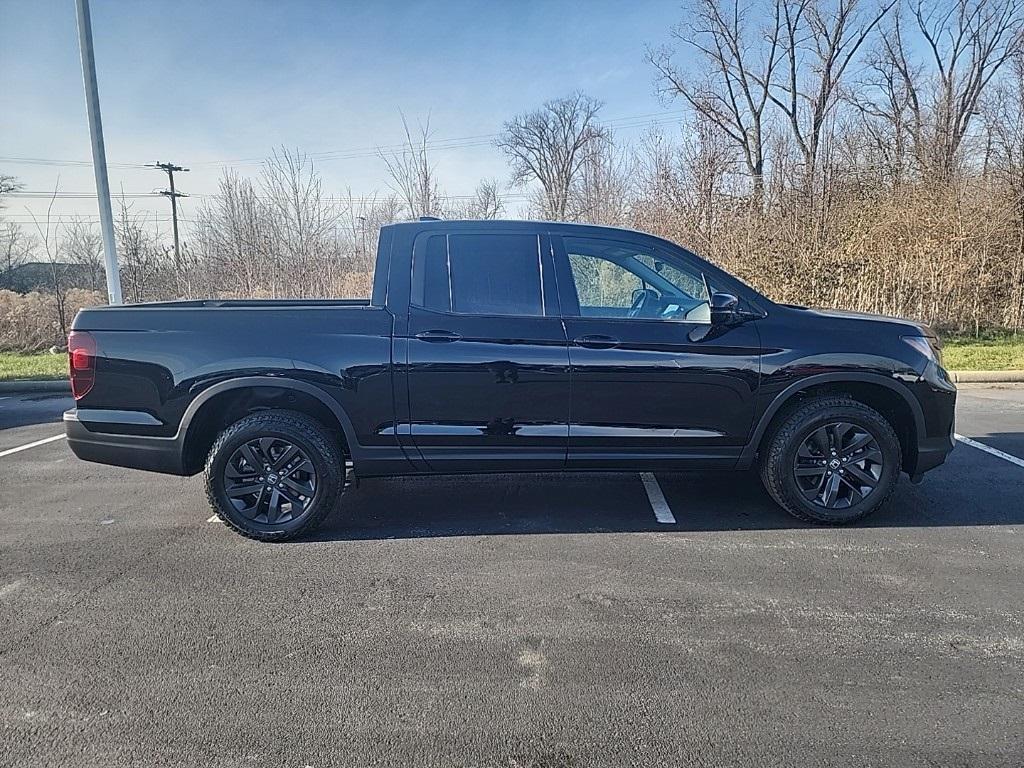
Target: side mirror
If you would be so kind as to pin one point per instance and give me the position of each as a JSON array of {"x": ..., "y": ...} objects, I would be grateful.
[{"x": 724, "y": 309}]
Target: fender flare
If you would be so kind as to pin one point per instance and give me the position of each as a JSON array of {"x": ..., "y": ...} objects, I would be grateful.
[
  {"x": 837, "y": 377},
  {"x": 246, "y": 382}
]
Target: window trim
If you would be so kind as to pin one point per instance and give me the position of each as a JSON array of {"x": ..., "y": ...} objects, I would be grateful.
[{"x": 550, "y": 303}]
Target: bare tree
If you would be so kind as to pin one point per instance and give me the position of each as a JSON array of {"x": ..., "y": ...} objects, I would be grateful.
[
  {"x": 138, "y": 252},
  {"x": 1006, "y": 119},
  {"x": 486, "y": 203},
  {"x": 602, "y": 191},
  {"x": 550, "y": 145},
  {"x": 8, "y": 184},
  {"x": 303, "y": 222},
  {"x": 882, "y": 102},
  {"x": 49, "y": 236},
  {"x": 83, "y": 247},
  {"x": 731, "y": 88},
  {"x": 829, "y": 38},
  {"x": 966, "y": 43},
  {"x": 412, "y": 176},
  {"x": 15, "y": 249},
  {"x": 233, "y": 239}
]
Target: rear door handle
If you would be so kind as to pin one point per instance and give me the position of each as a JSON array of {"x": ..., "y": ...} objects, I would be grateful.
[
  {"x": 438, "y": 336},
  {"x": 596, "y": 341}
]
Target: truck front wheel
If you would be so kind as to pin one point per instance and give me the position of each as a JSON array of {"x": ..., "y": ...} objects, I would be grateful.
[
  {"x": 832, "y": 460},
  {"x": 274, "y": 475}
]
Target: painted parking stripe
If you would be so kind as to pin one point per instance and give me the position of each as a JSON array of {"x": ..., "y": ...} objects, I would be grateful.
[
  {"x": 662, "y": 513},
  {"x": 25, "y": 447},
  {"x": 989, "y": 449},
  {"x": 213, "y": 519}
]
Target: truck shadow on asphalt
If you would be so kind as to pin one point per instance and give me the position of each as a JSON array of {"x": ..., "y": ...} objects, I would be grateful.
[
  {"x": 972, "y": 488},
  {"x": 25, "y": 410}
]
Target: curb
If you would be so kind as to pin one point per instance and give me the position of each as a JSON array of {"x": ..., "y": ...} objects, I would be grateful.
[
  {"x": 50, "y": 385},
  {"x": 986, "y": 377}
]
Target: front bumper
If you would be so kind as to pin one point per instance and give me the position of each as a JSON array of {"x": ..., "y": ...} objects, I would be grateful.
[
  {"x": 154, "y": 454},
  {"x": 937, "y": 397}
]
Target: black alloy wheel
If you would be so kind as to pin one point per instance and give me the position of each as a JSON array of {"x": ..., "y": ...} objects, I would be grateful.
[
  {"x": 270, "y": 480},
  {"x": 275, "y": 474},
  {"x": 838, "y": 465}
]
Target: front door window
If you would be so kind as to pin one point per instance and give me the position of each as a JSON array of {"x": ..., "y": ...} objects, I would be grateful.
[{"x": 614, "y": 280}]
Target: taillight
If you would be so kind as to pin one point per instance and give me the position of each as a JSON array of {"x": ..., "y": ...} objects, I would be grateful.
[{"x": 82, "y": 362}]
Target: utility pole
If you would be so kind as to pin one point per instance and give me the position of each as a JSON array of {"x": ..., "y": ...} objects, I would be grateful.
[
  {"x": 170, "y": 168},
  {"x": 99, "y": 155}
]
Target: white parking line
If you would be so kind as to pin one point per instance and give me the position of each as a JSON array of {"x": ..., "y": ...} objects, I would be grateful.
[
  {"x": 25, "y": 447},
  {"x": 989, "y": 449},
  {"x": 213, "y": 519},
  {"x": 662, "y": 513}
]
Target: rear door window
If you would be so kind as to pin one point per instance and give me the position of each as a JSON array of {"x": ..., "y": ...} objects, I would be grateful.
[{"x": 480, "y": 274}]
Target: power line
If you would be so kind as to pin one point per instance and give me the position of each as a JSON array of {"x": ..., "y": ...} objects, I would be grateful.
[
  {"x": 461, "y": 142},
  {"x": 32, "y": 195},
  {"x": 202, "y": 195}
]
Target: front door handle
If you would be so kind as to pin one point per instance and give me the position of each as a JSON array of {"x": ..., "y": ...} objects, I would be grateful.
[
  {"x": 596, "y": 341},
  {"x": 438, "y": 336}
]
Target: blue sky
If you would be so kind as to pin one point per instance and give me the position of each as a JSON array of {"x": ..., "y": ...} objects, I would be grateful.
[{"x": 208, "y": 83}]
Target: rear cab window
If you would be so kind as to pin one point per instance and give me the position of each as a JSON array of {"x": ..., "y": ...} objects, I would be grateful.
[{"x": 482, "y": 274}]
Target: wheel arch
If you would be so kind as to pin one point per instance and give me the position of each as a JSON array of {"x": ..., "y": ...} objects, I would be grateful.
[
  {"x": 227, "y": 401},
  {"x": 884, "y": 395}
]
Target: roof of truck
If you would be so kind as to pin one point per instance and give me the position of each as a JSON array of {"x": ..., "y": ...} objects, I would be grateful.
[{"x": 427, "y": 224}]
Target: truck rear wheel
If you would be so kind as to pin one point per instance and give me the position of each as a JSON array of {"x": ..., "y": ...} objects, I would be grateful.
[
  {"x": 274, "y": 475},
  {"x": 832, "y": 460}
]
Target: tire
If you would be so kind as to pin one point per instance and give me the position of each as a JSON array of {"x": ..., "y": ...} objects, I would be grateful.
[
  {"x": 291, "y": 499},
  {"x": 799, "y": 468}
]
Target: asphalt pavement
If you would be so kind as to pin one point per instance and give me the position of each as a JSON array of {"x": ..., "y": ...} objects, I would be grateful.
[{"x": 538, "y": 620}]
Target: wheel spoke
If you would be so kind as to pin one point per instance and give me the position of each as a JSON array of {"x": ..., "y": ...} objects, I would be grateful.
[
  {"x": 284, "y": 458},
  {"x": 821, "y": 440},
  {"x": 234, "y": 473},
  {"x": 864, "y": 477},
  {"x": 274, "y": 506},
  {"x": 297, "y": 504},
  {"x": 244, "y": 490},
  {"x": 855, "y": 494},
  {"x": 859, "y": 441},
  {"x": 303, "y": 489},
  {"x": 840, "y": 431},
  {"x": 810, "y": 471},
  {"x": 831, "y": 491},
  {"x": 814, "y": 491},
  {"x": 251, "y": 458},
  {"x": 306, "y": 466},
  {"x": 871, "y": 454},
  {"x": 266, "y": 443}
]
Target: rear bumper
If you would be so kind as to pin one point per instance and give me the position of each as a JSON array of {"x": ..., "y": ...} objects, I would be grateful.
[{"x": 155, "y": 454}]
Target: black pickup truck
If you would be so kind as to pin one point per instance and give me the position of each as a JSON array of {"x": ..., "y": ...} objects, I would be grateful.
[{"x": 510, "y": 346}]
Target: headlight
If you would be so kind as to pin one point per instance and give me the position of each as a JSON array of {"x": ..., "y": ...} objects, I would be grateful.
[{"x": 928, "y": 347}]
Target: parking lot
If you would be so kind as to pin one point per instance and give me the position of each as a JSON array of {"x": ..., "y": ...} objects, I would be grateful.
[{"x": 537, "y": 620}]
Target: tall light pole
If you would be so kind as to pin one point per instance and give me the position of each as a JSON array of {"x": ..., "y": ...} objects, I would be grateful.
[{"x": 99, "y": 156}]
